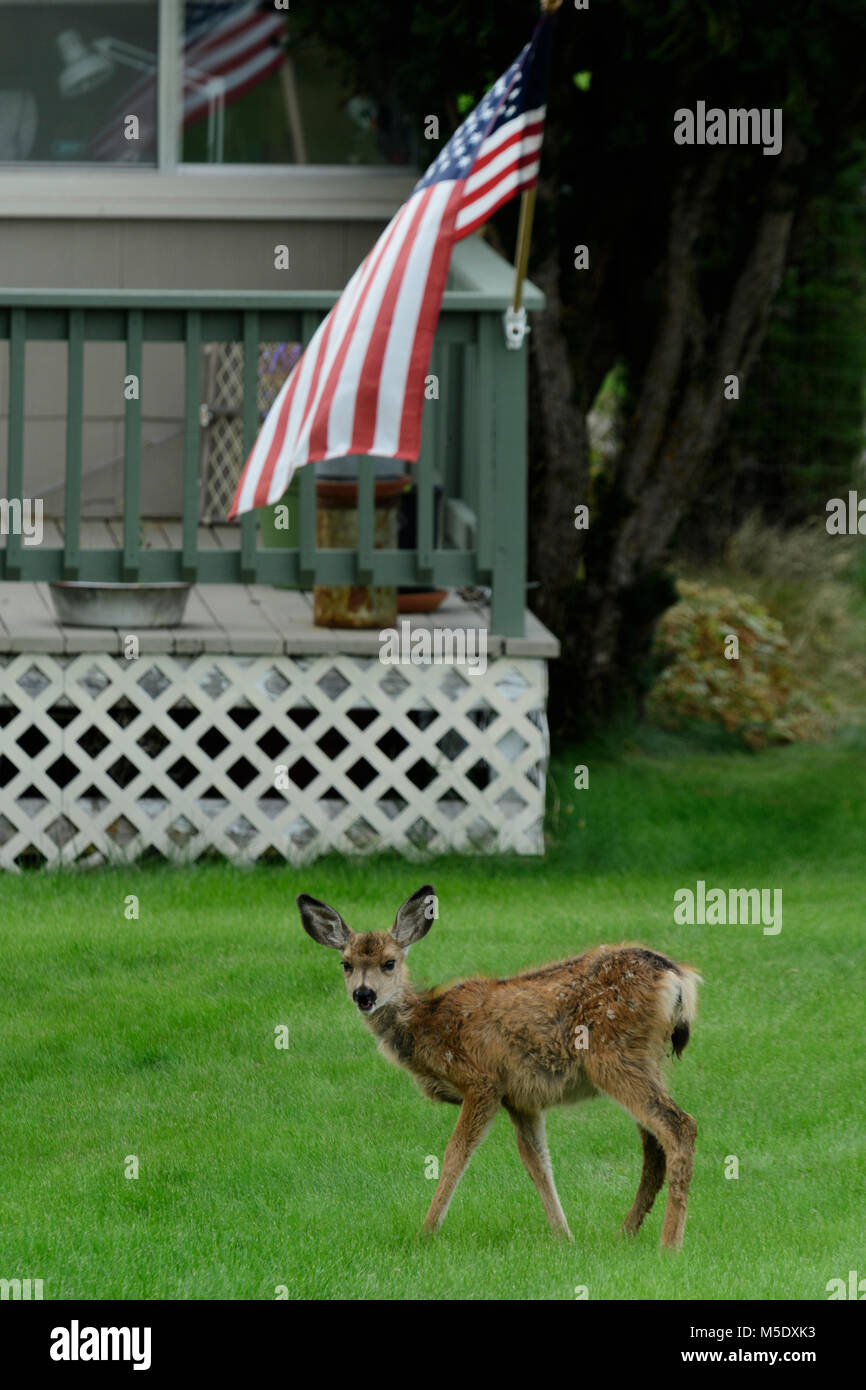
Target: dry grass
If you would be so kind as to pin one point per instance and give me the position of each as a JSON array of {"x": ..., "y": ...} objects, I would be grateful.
[{"x": 813, "y": 584}]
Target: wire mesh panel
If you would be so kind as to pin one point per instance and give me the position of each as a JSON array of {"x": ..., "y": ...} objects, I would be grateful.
[{"x": 223, "y": 453}]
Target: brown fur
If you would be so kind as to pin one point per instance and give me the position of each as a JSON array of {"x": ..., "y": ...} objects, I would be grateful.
[{"x": 485, "y": 1044}]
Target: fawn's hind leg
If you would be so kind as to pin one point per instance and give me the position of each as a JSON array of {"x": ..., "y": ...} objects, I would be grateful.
[
  {"x": 652, "y": 1177},
  {"x": 646, "y": 1099},
  {"x": 532, "y": 1147}
]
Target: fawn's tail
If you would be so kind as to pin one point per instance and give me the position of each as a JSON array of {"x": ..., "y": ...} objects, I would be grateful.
[{"x": 683, "y": 1004}]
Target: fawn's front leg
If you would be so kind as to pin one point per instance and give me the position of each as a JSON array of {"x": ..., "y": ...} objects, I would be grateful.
[{"x": 476, "y": 1115}]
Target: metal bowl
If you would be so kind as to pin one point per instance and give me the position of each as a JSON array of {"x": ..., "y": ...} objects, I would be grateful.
[{"x": 83, "y": 603}]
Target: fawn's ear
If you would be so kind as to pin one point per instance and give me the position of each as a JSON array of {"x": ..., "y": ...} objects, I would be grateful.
[
  {"x": 323, "y": 923},
  {"x": 415, "y": 917}
]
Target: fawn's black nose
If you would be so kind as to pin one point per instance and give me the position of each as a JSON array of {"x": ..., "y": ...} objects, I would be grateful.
[{"x": 365, "y": 998}]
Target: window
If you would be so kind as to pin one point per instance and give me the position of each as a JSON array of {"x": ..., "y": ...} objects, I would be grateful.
[
  {"x": 80, "y": 83},
  {"x": 274, "y": 98},
  {"x": 70, "y": 76}
]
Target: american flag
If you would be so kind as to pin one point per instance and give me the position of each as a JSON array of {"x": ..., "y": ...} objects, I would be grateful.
[
  {"x": 241, "y": 43},
  {"x": 359, "y": 386}
]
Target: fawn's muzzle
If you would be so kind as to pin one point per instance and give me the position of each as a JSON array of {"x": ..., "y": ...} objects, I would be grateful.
[{"x": 365, "y": 998}]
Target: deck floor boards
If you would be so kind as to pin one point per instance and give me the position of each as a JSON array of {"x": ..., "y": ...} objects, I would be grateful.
[{"x": 245, "y": 619}]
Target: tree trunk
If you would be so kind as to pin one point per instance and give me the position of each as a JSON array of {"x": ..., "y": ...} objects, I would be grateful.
[{"x": 603, "y": 590}]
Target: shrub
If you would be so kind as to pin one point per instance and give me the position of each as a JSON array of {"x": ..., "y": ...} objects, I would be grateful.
[{"x": 759, "y": 697}]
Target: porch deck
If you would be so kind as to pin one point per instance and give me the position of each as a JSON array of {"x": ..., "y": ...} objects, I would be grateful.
[
  {"x": 246, "y": 730},
  {"x": 244, "y": 620},
  {"x": 249, "y": 731}
]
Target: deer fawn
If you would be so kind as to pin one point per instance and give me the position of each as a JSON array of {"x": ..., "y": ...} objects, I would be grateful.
[{"x": 597, "y": 1022}]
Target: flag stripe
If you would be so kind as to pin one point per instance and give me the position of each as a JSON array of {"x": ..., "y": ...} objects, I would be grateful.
[
  {"x": 480, "y": 209},
  {"x": 359, "y": 409},
  {"x": 522, "y": 142},
  {"x": 483, "y": 194},
  {"x": 530, "y": 121},
  {"x": 397, "y": 357},
  {"x": 332, "y": 430},
  {"x": 409, "y": 444},
  {"x": 230, "y": 53},
  {"x": 345, "y": 311},
  {"x": 233, "y": 25}
]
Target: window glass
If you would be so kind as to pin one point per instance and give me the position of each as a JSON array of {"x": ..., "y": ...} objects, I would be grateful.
[
  {"x": 78, "y": 81},
  {"x": 78, "y": 84},
  {"x": 254, "y": 93}
]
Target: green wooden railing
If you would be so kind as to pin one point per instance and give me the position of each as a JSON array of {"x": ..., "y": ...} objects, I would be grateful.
[{"x": 474, "y": 440}]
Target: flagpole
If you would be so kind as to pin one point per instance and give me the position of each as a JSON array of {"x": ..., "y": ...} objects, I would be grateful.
[{"x": 516, "y": 326}]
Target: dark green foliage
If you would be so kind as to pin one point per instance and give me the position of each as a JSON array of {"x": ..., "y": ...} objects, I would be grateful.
[
  {"x": 799, "y": 432},
  {"x": 611, "y": 178}
]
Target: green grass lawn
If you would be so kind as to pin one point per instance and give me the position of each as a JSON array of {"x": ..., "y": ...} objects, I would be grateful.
[{"x": 305, "y": 1167}]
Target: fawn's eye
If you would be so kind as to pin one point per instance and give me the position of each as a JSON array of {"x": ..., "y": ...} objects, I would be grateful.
[
  {"x": 388, "y": 964},
  {"x": 346, "y": 966}
]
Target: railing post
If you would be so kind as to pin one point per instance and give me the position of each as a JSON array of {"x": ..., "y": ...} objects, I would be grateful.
[
  {"x": 15, "y": 464},
  {"x": 509, "y": 373},
  {"x": 307, "y": 526},
  {"x": 74, "y": 434},
  {"x": 249, "y": 428},
  {"x": 431, "y": 442},
  {"x": 307, "y": 487},
  {"x": 132, "y": 451},
  {"x": 366, "y": 519},
  {"x": 489, "y": 330},
  {"x": 191, "y": 447}
]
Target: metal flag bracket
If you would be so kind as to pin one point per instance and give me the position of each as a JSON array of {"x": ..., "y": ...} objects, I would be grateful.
[{"x": 516, "y": 327}]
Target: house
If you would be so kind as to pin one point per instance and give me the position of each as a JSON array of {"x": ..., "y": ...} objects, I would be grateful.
[{"x": 184, "y": 193}]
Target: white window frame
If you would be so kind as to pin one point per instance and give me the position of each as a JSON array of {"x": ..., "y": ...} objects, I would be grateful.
[
  {"x": 173, "y": 189},
  {"x": 168, "y": 89}
]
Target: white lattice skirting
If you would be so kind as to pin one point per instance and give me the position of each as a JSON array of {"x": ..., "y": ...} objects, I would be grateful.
[{"x": 105, "y": 759}]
